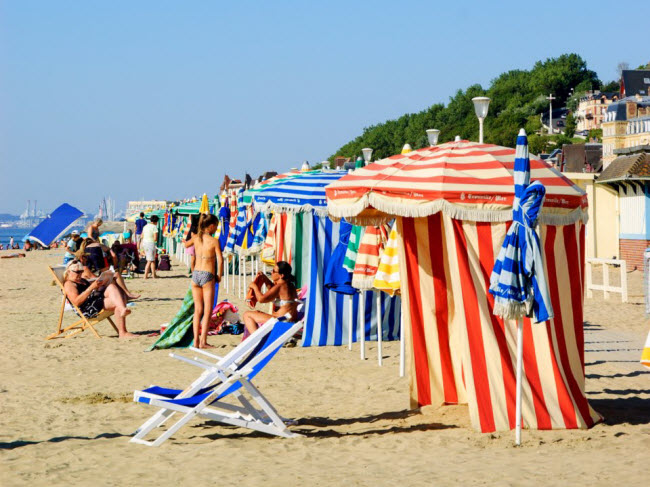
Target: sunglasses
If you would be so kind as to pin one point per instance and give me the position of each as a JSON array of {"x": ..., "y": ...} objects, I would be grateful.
[{"x": 78, "y": 272}]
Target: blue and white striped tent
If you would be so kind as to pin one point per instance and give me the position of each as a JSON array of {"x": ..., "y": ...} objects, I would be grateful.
[
  {"x": 300, "y": 193},
  {"x": 315, "y": 237}
]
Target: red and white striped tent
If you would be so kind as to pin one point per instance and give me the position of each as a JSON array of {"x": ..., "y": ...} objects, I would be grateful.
[{"x": 454, "y": 205}]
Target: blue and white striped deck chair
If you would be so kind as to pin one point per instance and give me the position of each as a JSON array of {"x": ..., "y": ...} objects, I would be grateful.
[{"x": 223, "y": 378}]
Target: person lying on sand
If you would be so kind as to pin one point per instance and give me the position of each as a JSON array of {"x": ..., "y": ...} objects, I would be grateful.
[
  {"x": 92, "y": 298},
  {"x": 13, "y": 256},
  {"x": 281, "y": 291}
]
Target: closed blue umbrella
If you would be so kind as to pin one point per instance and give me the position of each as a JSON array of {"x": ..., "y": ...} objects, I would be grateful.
[{"x": 518, "y": 282}]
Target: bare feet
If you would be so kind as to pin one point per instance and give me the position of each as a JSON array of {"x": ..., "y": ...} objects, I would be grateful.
[
  {"x": 127, "y": 336},
  {"x": 133, "y": 297},
  {"x": 206, "y": 345}
]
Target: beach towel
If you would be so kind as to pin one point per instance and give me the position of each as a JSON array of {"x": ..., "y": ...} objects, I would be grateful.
[
  {"x": 367, "y": 261},
  {"x": 178, "y": 333},
  {"x": 353, "y": 245},
  {"x": 337, "y": 277},
  {"x": 387, "y": 278},
  {"x": 277, "y": 246}
]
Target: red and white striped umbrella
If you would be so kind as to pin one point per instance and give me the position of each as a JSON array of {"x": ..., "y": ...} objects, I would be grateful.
[{"x": 464, "y": 180}]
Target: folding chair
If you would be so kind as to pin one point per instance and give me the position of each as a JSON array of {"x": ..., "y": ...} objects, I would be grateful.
[
  {"x": 83, "y": 323},
  {"x": 223, "y": 378}
]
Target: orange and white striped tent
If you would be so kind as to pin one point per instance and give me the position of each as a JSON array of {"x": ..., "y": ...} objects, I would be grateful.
[{"x": 458, "y": 351}]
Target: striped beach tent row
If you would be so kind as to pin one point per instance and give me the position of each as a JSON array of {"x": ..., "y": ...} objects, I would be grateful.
[
  {"x": 303, "y": 193},
  {"x": 466, "y": 180},
  {"x": 460, "y": 352}
]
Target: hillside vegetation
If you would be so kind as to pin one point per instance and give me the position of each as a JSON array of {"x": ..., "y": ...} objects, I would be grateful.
[{"x": 517, "y": 99}]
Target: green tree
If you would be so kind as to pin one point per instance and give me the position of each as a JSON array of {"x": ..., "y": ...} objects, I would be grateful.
[
  {"x": 570, "y": 126},
  {"x": 517, "y": 99},
  {"x": 611, "y": 87}
]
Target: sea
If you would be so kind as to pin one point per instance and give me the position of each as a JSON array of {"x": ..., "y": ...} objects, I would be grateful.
[{"x": 15, "y": 232}]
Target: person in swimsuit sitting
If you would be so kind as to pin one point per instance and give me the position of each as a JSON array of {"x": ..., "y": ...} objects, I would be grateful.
[
  {"x": 91, "y": 273},
  {"x": 281, "y": 290},
  {"x": 207, "y": 250},
  {"x": 92, "y": 298}
]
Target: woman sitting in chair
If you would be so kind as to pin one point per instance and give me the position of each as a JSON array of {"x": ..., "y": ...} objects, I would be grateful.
[
  {"x": 92, "y": 298},
  {"x": 281, "y": 290}
]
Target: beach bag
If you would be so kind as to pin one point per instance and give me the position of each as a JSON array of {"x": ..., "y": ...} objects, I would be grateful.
[{"x": 165, "y": 263}]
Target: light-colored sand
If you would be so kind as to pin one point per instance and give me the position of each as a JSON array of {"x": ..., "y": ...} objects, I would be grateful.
[{"x": 66, "y": 413}]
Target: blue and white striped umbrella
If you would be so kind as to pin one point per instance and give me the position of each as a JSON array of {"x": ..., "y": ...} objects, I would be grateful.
[
  {"x": 239, "y": 226},
  {"x": 303, "y": 193},
  {"x": 518, "y": 282},
  {"x": 261, "y": 230}
]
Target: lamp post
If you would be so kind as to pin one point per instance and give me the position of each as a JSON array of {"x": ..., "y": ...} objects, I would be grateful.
[
  {"x": 481, "y": 104},
  {"x": 367, "y": 155},
  {"x": 433, "y": 135},
  {"x": 550, "y": 99}
]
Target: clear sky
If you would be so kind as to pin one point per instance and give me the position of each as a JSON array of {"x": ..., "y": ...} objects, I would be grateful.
[{"x": 159, "y": 99}]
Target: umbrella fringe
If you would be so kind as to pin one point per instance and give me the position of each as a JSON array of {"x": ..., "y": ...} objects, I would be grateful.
[
  {"x": 351, "y": 212},
  {"x": 255, "y": 249},
  {"x": 509, "y": 310},
  {"x": 270, "y": 207},
  {"x": 364, "y": 283}
]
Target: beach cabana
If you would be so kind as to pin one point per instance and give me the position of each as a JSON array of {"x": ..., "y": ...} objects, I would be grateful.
[
  {"x": 453, "y": 205},
  {"x": 300, "y": 203}
]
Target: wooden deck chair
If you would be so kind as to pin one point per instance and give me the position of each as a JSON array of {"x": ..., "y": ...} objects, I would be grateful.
[
  {"x": 82, "y": 323},
  {"x": 223, "y": 378}
]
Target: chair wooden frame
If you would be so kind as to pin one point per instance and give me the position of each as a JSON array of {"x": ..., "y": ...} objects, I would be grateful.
[{"x": 83, "y": 323}]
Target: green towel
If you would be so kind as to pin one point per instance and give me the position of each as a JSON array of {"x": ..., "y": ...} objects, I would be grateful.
[{"x": 179, "y": 331}]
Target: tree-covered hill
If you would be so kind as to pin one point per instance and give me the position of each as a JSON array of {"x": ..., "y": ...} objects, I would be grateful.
[{"x": 517, "y": 99}]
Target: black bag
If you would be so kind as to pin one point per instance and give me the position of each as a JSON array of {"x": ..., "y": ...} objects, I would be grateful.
[{"x": 164, "y": 264}]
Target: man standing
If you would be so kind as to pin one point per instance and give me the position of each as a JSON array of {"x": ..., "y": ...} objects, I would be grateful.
[
  {"x": 11, "y": 243},
  {"x": 139, "y": 225},
  {"x": 149, "y": 239}
]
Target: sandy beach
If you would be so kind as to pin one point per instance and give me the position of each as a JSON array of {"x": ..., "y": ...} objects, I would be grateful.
[{"x": 66, "y": 410}]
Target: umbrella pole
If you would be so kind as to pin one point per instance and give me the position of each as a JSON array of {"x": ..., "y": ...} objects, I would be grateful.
[
  {"x": 350, "y": 321},
  {"x": 379, "y": 330},
  {"x": 362, "y": 324},
  {"x": 239, "y": 278},
  {"x": 520, "y": 356},
  {"x": 401, "y": 342},
  {"x": 226, "y": 274}
]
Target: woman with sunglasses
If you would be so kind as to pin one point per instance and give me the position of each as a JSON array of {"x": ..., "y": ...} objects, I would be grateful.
[
  {"x": 281, "y": 291},
  {"x": 92, "y": 298}
]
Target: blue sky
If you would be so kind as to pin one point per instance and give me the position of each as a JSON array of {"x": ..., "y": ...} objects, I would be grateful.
[{"x": 159, "y": 99}]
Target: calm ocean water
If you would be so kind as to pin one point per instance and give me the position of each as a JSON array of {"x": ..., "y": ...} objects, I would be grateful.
[{"x": 16, "y": 233}]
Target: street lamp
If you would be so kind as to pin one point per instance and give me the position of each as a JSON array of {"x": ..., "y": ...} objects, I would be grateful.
[
  {"x": 481, "y": 104},
  {"x": 433, "y": 135},
  {"x": 367, "y": 155}
]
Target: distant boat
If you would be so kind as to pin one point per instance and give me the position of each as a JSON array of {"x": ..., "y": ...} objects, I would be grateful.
[{"x": 6, "y": 225}]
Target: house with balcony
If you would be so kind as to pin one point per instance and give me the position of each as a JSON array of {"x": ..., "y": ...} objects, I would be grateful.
[
  {"x": 592, "y": 109},
  {"x": 626, "y": 125}
]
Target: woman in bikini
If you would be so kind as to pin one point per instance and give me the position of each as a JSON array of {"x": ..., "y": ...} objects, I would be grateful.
[
  {"x": 207, "y": 251},
  {"x": 92, "y": 298},
  {"x": 281, "y": 290}
]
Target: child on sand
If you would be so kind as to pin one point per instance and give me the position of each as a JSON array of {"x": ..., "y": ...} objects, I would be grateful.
[{"x": 207, "y": 250}]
